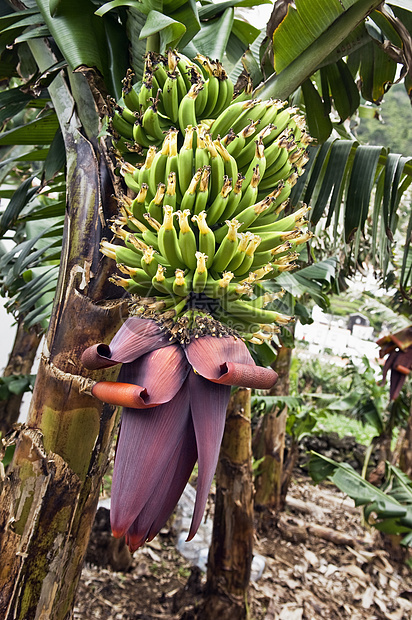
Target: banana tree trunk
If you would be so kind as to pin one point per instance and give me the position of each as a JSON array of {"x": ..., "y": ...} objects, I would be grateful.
[
  {"x": 20, "y": 362},
  {"x": 230, "y": 554},
  {"x": 271, "y": 441},
  {"x": 51, "y": 488}
]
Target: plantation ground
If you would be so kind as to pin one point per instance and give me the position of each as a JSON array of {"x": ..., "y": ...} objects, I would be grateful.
[{"x": 306, "y": 578}]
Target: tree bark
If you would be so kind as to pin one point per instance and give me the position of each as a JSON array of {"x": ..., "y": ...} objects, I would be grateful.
[
  {"x": 50, "y": 492},
  {"x": 271, "y": 441},
  {"x": 20, "y": 362},
  {"x": 230, "y": 554}
]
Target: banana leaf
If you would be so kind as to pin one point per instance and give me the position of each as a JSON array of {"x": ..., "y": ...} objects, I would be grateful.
[
  {"x": 391, "y": 505},
  {"x": 170, "y": 31},
  {"x": 206, "y": 42}
]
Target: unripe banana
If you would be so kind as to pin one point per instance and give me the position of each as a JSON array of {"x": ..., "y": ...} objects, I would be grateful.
[
  {"x": 170, "y": 98},
  {"x": 218, "y": 206},
  {"x": 227, "y": 248},
  {"x": 155, "y": 208},
  {"x": 187, "y": 108},
  {"x": 200, "y": 275},
  {"x": 239, "y": 253},
  {"x": 168, "y": 242},
  {"x": 138, "y": 204},
  {"x": 182, "y": 284},
  {"x": 170, "y": 195},
  {"x": 228, "y": 117},
  {"x": 206, "y": 238},
  {"x": 202, "y": 194},
  {"x": 185, "y": 161},
  {"x": 189, "y": 197},
  {"x": 187, "y": 239}
]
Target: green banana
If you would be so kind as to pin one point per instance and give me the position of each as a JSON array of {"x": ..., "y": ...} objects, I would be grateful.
[
  {"x": 216, "y": 166},
  {"x": 216, "y": 289},
  {"x": 239, "y": 253},
  {"x": 129, "y": 94},
  {"x": 258, "y": 160},
  {"x": 122, "y": 126},
  {"x": 201, "y": 151},
  {"x": 144, "y": 171},
  {"x": 158, "y": 169},
  {"x": 247, "y": 261},
  {"x": 185, "y": 161},
  {"x": 189, "y": 197},
  {"x": 209, "y": 69},
  {"x": 138, "y": 204},
  {"x": 181, "y": 283},
  {"x": 250, "y": 194},
  {"x": 200, "y": 275},
  {"x": 155, "y": 209},
  {"x": 237, "y": 145},
  {"x": 228, "y": 117},
  {"x": 167, "y": 239},
  {"x": 227, "y": 248},
  {"x": 187, "y": 108},
  {"x": 206, "y": 238},
  {"x": 286, "y": 223},
  {"x": 151, "y": 123},
  {"x": 170, "y": 98},
  {"x": 140, "y": 136},
  {"x": 202, "y": 193},
  {"x": 218, "y": 206},
  {"x": 234, "y": 199},
  {"x": 187, "y": 239},
  {"x": 272, "y": 239},
  {"x": 170, "y": 195},
  {"x": 229, "y": 162}
]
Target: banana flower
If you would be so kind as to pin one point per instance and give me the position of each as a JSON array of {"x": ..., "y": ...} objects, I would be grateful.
[{"x": 174, "y": 397}]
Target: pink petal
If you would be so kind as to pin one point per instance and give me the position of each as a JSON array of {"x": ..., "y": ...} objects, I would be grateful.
[
  {"x": 162, "y": 373},
  {"x": 166, "y": 494},
  {"x": 146, "y": 445},
  {"x": 208, "y": 404},
  {"x": 135, "y": 338},
  {"x": 227, "y": 361}
]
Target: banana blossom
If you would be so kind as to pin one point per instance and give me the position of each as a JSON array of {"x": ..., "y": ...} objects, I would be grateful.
[{"x": 174, "y": 398}]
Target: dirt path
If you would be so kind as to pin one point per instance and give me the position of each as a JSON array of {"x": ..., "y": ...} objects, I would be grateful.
[{"x": 305, "y": 578}]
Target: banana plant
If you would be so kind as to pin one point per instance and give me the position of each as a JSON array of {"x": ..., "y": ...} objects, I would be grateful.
[
  {"x": 69, "y": 433},
  {"x": 388, "y": 509}
]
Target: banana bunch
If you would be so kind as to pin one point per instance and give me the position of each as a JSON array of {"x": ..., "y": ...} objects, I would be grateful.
[{"x": 211, "y": 174}]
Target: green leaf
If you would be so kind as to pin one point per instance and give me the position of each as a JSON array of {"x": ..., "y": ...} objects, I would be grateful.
[
  {"x": 56, "y": 157},
  {"x": 303, "y": 24},
  {"x": 170, "y": 31},
  {"x": 30, "y": 20},
  {"x": 343, "y": 89},
  {"x": 317, "y": 118},
  {"x": 377, "y": 72},
  {"x": 18, "y": 200},
  {"x": 109, "y": 6},
  {"x": 39, "y": 131},
  {"x": 206, "y": 42},
  {"x": 332, "y": 180},
  {"x": 78, "y": 32},
  {"x": 360, "y": 188},
  {"x": 135, "y": 23},
  {"x": 33, "y": 33},
  {"x": 209, "y": 10},
  {"x": 188, "y": 15}
]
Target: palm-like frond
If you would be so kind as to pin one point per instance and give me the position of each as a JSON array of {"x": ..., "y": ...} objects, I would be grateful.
[{"x": 392, "y": 504}]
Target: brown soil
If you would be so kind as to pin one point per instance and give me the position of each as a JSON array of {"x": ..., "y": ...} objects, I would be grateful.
[{"x": 306, "y": 578}]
